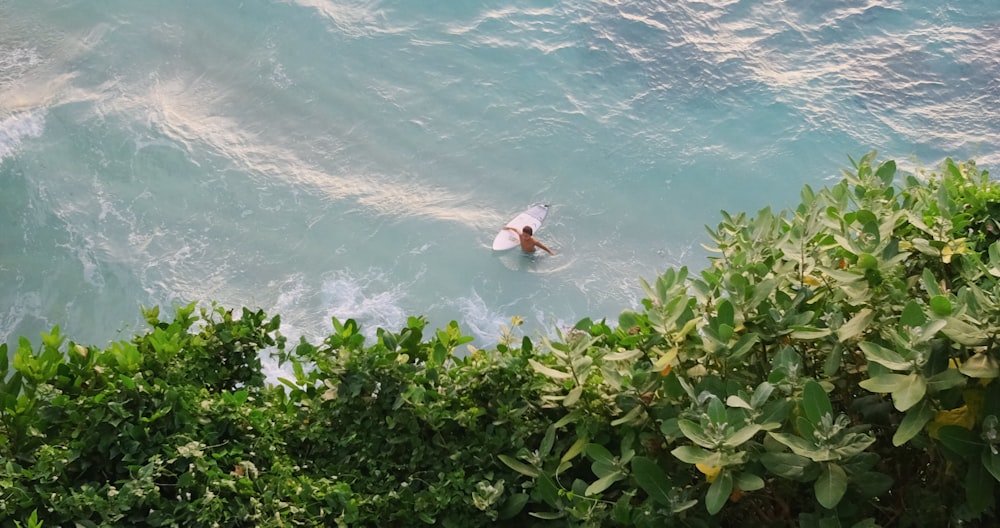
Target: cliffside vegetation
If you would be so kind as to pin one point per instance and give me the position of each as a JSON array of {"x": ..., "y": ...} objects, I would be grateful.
[{"x": 832, "y": 365}]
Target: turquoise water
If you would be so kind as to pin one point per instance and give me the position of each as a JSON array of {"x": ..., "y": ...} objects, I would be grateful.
[{"x": 321, "y": 158}]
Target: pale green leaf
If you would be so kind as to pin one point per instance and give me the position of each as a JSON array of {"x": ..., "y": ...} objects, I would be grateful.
[
  {"x": 856, "y": 326},
  {"x": 883, "y": 356},
  {"x": 964, "y": 333},
  {"x": 624, "y": 355},
  {"x": 695, "y": 433},
  {"x": 519, "y": 466},
  {"x": 604, "y": 483},
  {"x": 634, "y": 413},
  {"x": 798, "y": 445},
  {"x": 805, "y": 333},
  {"x": 741, "y": 436},
  {"x": 548, "y": 516},
  {"x": 736, "y": 401},
  {"x": 884, "y": 383},
  {"x": 573, "y": 396},
  {"x": 911, "y": 393},
  {"x": 574, "y": 450},
  {"x": 549, "y": 372},
  {"x": 696, "y": 455}
]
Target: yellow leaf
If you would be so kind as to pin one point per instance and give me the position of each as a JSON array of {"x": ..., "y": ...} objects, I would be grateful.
[
  {"x": 959, "y": 416},
  {"x": 964, "y": 416},
  {"x": 710, "y": 471}
]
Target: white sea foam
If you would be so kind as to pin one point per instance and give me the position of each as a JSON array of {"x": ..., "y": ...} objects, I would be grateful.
[
  {"x": 485, "y": 321},
  {"x": 14, "y": 63},
  {"x": 18, "y": 127},
  {"x": 354, "y": 18},
  {"x": 367, "y": 299},
  {"x": 25, "y": 304}
]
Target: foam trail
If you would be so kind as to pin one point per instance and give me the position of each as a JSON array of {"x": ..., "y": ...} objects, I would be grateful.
[{"x": 179, "y": 110}]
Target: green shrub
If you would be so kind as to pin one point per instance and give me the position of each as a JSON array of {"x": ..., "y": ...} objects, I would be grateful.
[{"x": 833, "y": 365}]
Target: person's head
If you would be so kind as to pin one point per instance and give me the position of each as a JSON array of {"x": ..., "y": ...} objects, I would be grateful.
[{"x": 526, "y": 230}]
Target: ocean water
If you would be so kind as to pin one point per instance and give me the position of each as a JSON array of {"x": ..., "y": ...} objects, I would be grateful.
[{"x": 354, "y": 158}]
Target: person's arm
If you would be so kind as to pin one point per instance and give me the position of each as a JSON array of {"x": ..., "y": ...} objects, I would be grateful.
[
  {"x": 549, "y": 251},
  {"x": 508, "y": 228}
]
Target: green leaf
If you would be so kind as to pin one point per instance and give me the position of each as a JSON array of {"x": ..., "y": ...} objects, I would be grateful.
[
  {"x": 883, "y": 356},
  {"x": 991, "y": 461},
  {"x": 761, "y": 395},
  {"x": 867, "y": 261},
  {"x": 886, "y": 172},
  {"x": 941, "y": 305},
  {"x": 800, "y": 446},
  {"x": 726, "y": 313},
  {"x": 749, "y": 482},
  {"x": 815, "y": 402},
  {"x": 599, "y": 453},
  {"x": 911, "y": 393},
  {"x": 979, "y": 487},
  {"x": 960, "y": 441},
  {"x": 831, "y": 485},
  {"x": 717, "y": 412},
  {"x": 719, "y": 492},
  {"x": 913, "y": 423},
  {"x": 547, "y": 441},
  {"x": 930, "y": 282},
  {"x": 519, "y": 466},
  {"x": 913, "y": 315},
  {"x": 695, "y": 433},
  {"x": 785, "y": 465},
  {"x": 652, "y": 479},
  {"x": 513, "y": 506},
  {"x": 946, "y": 379},
  {"x": 744, "y": 345}
]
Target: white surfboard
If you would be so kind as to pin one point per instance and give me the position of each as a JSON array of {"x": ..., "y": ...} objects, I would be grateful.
[{"x": 533, "y": 217}]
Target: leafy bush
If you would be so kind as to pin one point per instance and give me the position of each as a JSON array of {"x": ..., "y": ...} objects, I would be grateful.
[{"x": 832, "y": 366}]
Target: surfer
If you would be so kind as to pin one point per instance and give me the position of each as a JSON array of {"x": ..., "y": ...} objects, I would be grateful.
[{"x": 528, "y": 242}]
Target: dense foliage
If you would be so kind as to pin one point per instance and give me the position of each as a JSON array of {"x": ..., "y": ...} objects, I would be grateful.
[{"x": 834, "y": 365}]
